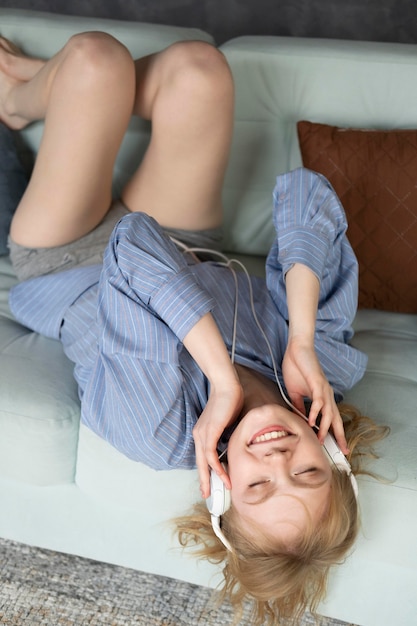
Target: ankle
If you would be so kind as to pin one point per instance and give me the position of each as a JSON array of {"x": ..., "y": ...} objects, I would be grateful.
[{"x": 8, "y": 113}]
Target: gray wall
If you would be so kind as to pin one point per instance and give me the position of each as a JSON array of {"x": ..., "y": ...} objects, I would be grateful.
[{"x": 375, "y": 20}]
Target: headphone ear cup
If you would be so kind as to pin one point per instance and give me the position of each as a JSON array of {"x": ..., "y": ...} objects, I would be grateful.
[
  {"x": 340, "y": 461},
  {"x": 218, "y": 501}
]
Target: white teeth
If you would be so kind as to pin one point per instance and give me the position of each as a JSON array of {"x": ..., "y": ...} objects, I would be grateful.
[{"x": 275, "y": 434}]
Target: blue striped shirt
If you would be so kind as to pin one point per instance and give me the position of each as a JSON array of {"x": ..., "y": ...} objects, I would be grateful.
[{"x": 123, "y": 323}]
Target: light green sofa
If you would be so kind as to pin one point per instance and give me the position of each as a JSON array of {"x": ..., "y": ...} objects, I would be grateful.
[{"x": 63, "y": 488}]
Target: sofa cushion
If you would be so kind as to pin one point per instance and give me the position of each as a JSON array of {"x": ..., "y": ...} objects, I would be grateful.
[
  {"x": 374, "y": 172},
  {"x": 39, "y": 408},
  {"x": 13, "y": 181},
  {"x": 387, "y": 392}
]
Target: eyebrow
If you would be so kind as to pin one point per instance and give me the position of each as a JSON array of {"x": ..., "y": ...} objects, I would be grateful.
[{"x": 273, "y": 491}]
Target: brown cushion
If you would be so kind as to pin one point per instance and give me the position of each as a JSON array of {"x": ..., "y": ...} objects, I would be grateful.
[{"x": 374, "y": 174}]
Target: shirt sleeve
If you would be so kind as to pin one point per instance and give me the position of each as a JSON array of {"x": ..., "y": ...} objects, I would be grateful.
[
  {"x": 145, "y": 392},
  {"x": 311, "y": 227},
  {"x": 41, "y": 303},
  {"x": 309, "y": 220}
]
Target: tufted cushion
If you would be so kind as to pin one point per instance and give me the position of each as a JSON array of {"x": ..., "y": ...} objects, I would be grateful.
[{"x": 375, "y": 175}]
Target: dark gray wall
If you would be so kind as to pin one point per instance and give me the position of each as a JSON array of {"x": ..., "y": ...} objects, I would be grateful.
[{"x": 374, "y": 20}]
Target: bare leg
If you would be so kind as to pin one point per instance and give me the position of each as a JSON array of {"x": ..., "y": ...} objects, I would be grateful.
[
  {"x": 85, "y": 93},
  {"x": 187, "y": 92}
]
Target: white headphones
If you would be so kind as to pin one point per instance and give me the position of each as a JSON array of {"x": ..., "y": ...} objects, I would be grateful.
[
  {"x": 339, "y": 459},
  {"x": 218, "y": 503}
]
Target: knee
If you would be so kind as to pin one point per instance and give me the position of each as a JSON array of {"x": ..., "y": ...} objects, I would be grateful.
[
  {"x": 198, "y": 71},
  {"x": 95, "y": 56}
]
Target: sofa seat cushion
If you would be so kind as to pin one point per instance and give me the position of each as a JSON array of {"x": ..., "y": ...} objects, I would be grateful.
[
  {"x": 39, "y": 408},
  {"x": 388, "y": 391},
  {"x": 105, "y": 473}
]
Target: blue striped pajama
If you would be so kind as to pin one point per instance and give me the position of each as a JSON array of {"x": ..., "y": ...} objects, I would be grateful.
[{"x": 123, "y": 323}]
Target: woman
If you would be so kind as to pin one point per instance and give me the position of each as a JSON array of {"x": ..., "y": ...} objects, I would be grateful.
[{"x": 151, "y": 328}]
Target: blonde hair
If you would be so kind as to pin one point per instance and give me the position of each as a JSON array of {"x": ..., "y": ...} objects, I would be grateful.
[{"x": 283, "y": 582}]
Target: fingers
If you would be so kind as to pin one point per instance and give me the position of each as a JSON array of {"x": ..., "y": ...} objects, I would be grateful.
[
  {"x": 204, "y": 476},
  {"x": 331, "y": 418},
  {"x": 339, "y": 434},
  {"x": 208, "y": 460},
  {"x": 218, "y": 413},
  {"x": 204, "y": 470},
  {"x": 297, "y": 400},
  {"x": 304, "y": 377},
  {"x": 325, "y": 405},
  {"x": 315, "y": 410}
]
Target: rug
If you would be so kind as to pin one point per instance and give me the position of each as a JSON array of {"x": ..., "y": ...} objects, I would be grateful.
[{"x": 41, "y": 587}]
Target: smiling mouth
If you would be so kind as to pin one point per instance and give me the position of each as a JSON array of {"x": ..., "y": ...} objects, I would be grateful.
[{"x": 270, "y": 435}]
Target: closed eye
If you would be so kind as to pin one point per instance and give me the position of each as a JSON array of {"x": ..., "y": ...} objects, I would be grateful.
[
  {"x": 310, "y": 477},
  {"x": 259, "y": 482},
  {"x": 310, "y": 470},
  {"x": 263, "y": 494}
]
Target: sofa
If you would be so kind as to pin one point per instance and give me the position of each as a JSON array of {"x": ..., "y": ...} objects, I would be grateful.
[{"x": 63, "y": 488}]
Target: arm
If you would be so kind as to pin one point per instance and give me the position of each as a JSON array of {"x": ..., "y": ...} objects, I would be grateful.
[
  {"x": 302, "y": 372},
  {"x": 150, "y": 306},
  {"x": 311, "y": 231},
  {"x": 206, "y": 346}
]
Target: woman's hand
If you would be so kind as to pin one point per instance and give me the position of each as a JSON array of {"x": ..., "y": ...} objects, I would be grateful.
[
  {"x": 304, "y": 377},
  {"x": 223, "y": 406},
  {"x": 205, "y": 344},
  {"x": 301, "y": 369}
]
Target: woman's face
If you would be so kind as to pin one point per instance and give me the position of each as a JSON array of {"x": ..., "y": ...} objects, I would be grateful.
[{"x": 279, "y": 472}]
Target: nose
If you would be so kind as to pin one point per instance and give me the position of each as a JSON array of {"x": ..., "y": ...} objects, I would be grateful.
[
  {"x": 283, "y": 448},
  {"x": 281, "y": 452}
]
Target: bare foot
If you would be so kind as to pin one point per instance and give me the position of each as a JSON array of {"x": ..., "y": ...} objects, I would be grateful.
[
  {"x": 7, "y": 85},
  {"x": 15, "y": 69},
  {"x": 16, "y": 63}
]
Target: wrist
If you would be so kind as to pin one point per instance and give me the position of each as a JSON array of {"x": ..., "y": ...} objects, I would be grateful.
[
  {"x": 225, "y": 380},
  {"x": 303, "y": 334},
  {"x": 205, "y": 344},
  {"x": 301, "y": 340}
]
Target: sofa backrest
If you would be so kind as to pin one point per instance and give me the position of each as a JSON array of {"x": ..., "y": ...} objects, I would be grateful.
[{"x": 281, "y": 80}]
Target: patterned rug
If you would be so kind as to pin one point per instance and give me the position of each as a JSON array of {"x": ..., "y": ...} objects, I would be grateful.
[{"x": 40, "y": 587}]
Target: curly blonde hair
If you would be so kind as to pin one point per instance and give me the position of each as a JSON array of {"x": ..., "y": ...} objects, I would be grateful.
[{"x": 283, "y": 582}]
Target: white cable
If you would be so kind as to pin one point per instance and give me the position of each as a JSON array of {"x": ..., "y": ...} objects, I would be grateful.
[
  {"x": 227, "y": 262},
  {"x": 330, "y": 445}
]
